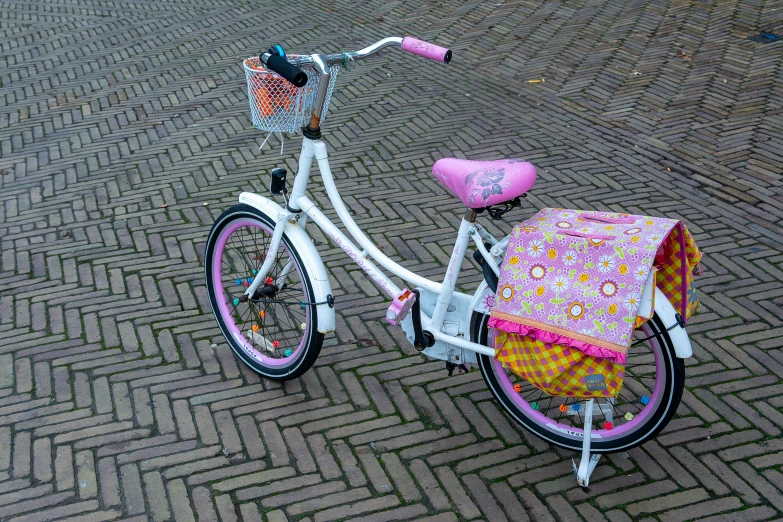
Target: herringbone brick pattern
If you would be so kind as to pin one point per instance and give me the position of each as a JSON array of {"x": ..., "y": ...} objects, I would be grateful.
[{"x": 124, "y": 131}]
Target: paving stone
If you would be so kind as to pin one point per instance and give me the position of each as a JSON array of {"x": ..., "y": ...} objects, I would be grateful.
[
  {"x": 401, "y": 477},
  {"x": 701, "y": 509}
]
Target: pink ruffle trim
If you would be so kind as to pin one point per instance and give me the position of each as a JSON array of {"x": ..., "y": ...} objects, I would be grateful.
[{"x": 549, "y": 337}]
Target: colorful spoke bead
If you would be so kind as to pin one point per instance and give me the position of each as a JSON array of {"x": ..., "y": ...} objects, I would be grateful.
[
  {"x": 269, "y": 280},
  {"x": 255, "y": 271},
  {"x": 518, "y": 388},
  {"x": 645, "y": 400},
  {"x": 255, "y": 327},
  {"x": 534, "y": 405},
  {"x": 563, "y": 408},
  {"x": 275, "y": 344},
  {"x": 239, "y": 282},
  {"x": 303, "y": 305},
  {"x": 629, "y": 416},
  {"x": 608, "y": 425},
  {"x": 261, "y": 314},
  {"x": 250, "y": 280},
  {"x": 289, "y": 352},
  {"x": 236, "y": 302},
  {"x": 245, "y": 284},
  {"x": 304, "y": 325},
  {"x": 575, "y": 406}
]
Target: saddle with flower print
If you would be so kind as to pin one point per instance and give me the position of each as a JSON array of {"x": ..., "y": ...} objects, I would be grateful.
[{"x": 579, "y": 278}]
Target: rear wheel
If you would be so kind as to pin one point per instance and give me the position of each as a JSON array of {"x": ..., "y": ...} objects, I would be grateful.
[
  {"x": 651, "y": 392},
  {"x": 275, "y": 331}
]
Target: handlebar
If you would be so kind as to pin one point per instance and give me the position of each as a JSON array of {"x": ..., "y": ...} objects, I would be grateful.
[
  {"x": 276, "y": 60},
  {"x": 408, "y": 44}
]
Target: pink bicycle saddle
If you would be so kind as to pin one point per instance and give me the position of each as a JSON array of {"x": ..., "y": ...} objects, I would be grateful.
[{"x": 480, "y": 184}]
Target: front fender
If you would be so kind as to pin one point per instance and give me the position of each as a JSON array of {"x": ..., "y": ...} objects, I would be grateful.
[{"x": 303, "y": 244}]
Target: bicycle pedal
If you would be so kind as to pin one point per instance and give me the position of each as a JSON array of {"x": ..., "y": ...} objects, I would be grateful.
[{"x": 400, "y": 307}]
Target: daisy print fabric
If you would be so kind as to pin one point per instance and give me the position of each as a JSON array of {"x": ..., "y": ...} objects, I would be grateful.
[{"x": 577, "y": 278}]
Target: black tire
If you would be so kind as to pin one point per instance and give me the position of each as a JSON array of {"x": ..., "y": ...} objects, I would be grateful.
[
  {"x": 656, "y": 420},
  {"x": 313, "y": 340}
]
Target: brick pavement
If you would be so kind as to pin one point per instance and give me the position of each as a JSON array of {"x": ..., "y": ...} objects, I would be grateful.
[{"x": 124, "y": 131}]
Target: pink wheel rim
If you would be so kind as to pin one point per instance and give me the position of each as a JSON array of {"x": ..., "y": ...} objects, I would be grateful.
[{"x": 222, "y": 299}]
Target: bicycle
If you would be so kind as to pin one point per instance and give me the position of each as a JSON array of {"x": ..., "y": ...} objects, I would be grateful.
[{"x": 271, "y": 295}]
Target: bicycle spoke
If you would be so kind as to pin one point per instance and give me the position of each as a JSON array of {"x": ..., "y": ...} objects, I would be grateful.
[{"x": 242, "y": 258}]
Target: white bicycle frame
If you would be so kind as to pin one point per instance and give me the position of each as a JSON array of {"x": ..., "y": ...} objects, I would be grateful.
[
  {"x": 451, "y": 336},
  {"x": 444, "y": 292}
]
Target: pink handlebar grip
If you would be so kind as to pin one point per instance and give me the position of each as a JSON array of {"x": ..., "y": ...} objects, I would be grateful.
[{"x": 426, "y": 49}]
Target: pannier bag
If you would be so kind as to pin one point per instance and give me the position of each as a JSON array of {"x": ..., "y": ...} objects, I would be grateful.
[{"x": 573, "y": 287}]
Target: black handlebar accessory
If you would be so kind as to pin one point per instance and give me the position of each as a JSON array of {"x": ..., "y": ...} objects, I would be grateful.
[
  {"x": 277, "y": 186},
  {"x": 278, "y": 63}
]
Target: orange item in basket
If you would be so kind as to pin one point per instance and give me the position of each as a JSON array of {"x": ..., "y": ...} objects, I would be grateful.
[
  {"x": 275, "y": 94},
  {"x": 278, "y": 96},
  {"x": 263, "y": 102}
]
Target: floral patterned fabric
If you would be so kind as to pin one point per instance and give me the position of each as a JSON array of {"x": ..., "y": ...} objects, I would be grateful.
[{"x": 576, "y": 278}]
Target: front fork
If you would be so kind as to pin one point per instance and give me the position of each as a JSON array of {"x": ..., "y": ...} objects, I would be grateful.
[
  {"x": 282, "y": 278},
  {"x": 283, "y": 219}
]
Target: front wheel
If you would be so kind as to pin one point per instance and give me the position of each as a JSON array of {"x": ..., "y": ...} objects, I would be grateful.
[
  {"x": 651, "y": 392},
  {"x": 275, "y": 331}
]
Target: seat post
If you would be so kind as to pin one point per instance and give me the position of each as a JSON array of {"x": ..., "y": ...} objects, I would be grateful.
[{"x": 470, "y": 215}]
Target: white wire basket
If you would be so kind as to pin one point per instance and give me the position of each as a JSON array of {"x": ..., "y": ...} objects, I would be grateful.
[{"x": 278, "y": 106}]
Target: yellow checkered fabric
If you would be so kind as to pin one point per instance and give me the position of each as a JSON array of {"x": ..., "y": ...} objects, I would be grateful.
[
  {"x": 558, "y": 370},
  {"x": 669, "y": 277}
]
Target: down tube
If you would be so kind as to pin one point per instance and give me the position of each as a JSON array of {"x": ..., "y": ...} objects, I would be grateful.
[
  {"x": 343, "y": 242},
  {"x": 356, "y": 232}
]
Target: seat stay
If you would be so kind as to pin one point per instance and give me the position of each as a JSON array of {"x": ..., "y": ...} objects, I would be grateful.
[{"x": 484, "y": 233}]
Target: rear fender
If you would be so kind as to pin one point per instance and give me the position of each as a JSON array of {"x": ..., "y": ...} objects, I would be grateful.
[{"x": 665, "y": 310}]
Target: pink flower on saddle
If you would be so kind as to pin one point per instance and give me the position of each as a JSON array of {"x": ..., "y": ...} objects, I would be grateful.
[{"x": 489, "y": 181}]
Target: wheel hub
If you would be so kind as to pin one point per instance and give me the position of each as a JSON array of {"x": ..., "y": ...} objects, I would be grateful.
[{"x": 267, "y": 292}]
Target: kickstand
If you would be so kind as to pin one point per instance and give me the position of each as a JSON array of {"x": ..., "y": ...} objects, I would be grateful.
[
  {"x": 450, "y": 367},
  {"x": 588, "y": 462}
]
